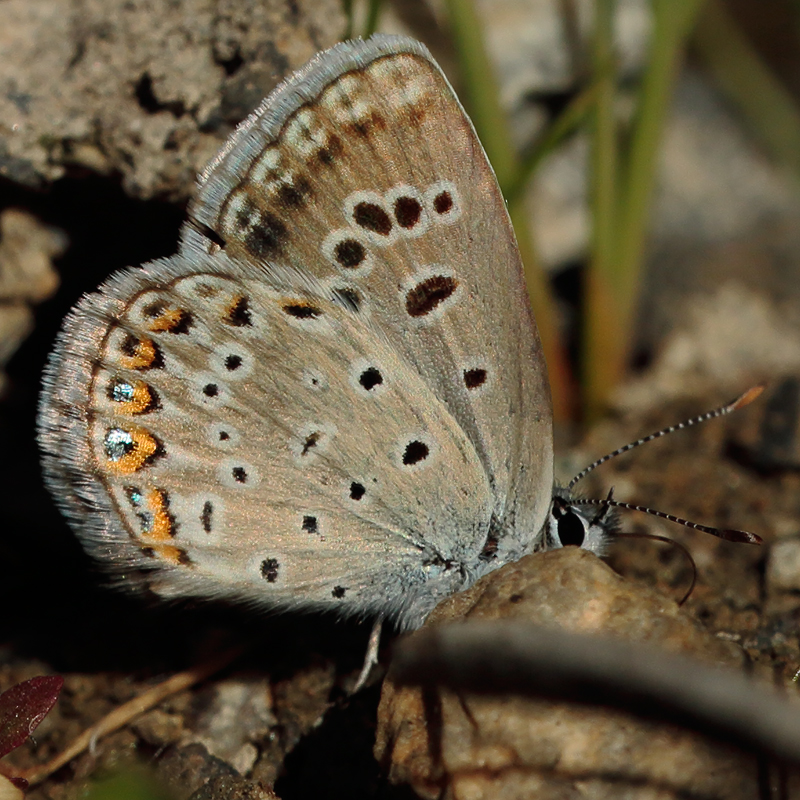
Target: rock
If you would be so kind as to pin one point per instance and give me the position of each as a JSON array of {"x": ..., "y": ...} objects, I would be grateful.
[
  {"x": 472, "y": 747},
  {"x": 27, "y": 250},
  {"x": 783, "y": 566},
  {"x": 238, "y": 714},
  {"x": 143, "y": 89}
]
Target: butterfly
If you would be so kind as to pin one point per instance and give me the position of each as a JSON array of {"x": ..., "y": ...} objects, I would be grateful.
[{"x": 333, "y": 397}]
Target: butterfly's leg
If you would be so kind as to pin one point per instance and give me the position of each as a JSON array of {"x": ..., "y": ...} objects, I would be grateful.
[{"x": 371, "y": 656}]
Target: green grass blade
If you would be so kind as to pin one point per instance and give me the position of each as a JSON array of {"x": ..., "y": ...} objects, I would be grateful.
[
  {"x": 622, "y": 219},
  {"x": 349, "y": 11},
  {"x": 769, "y": 108},
  {"x": 599, "y": 294},
  {"x": 571, "y": 119},
  {"x": 374, "y": 8},
  {"x": 482, "y": 96}
]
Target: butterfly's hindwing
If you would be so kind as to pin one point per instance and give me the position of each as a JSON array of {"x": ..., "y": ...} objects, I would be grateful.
[{"x": 263, "y": 444}]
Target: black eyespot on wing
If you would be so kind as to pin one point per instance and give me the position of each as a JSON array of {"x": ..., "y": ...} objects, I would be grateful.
[
  {"x": 310, "y": 442},
  {"x": 244, "y": 215},
  {"x": 338, "y": 592},
  {"x": 295, "y": 195},
  {"x": 364, "y": 127},
  {"x": 266, "y": 238},
  {"x": 154, "y": 309},
  {"x": 211, "y": 390},
  {"x": 350, "y": 253},
  {"x": 473, "y": 378},
  {"x": 142, "y": 354},
  {"x": 238, "y": 313},
  {"x": 269, "y": 569},
  {"x": 442, "y": 203},
  {"x": 372, "y": 217},
  {"x": 129, "y": 345},
  {"x": 428, "y": 294},
  {"x": 183, "y": 324},
  {"x": 331, "y": 150},
  {"x": 302, "y": 310},
  {"x": 166, "y": 319},
  {"x": 206, "y": 516},
  {"x": 310, "y": 524},
  {"x": 370, "y": 378},
  {"x": 407, "y": 211},
  {"x": 415, "y": 452},
  {"x": 239, "y": 474},
  {"x": 357, "y": 490},
  {"x": 233, "y": 362}
]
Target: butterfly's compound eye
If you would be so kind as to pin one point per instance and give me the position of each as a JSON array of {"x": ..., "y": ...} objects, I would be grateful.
[{"x": 571, "y": 529}]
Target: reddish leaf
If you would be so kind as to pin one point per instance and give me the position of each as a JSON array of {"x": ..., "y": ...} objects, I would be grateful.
[{"x": 23, "y": 707}]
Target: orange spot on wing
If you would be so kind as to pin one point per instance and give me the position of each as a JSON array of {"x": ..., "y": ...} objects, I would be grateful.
[
  {"x": 163, "y": 528},
  {"x": 138, "y": 353},
  {"x": 145, "y": 446},
  {"x": 171, "y": 554},
  {"x": 142, "y": 400},
  {"x": 168, "y": 320}
]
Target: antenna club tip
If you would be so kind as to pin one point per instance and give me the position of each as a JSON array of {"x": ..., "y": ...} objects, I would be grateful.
[
  {"x": 745, "y": 399},
  {"x": 742, "y": 537}
]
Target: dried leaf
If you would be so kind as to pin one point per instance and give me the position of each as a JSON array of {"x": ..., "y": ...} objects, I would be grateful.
[{"x": 23, "y": 707}]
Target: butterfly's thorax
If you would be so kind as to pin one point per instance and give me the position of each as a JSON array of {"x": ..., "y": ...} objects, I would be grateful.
[{"x": 334, "y": 395}]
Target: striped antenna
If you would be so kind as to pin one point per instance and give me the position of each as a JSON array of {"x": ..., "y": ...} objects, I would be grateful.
[
  {"x": 729, "y": 534},
  {"x": 741, "y": 401}
]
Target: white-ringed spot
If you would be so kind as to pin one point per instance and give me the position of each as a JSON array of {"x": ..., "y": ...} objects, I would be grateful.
[
  {"x": 312, "y": 440},
  {"x": 231, "y": 361},
  {"x": 429, "y": 292},
  {"x": 210, "y": 391},
  {"x": 314, "y": 379},
  {"x": 475, "y": 378},
  {"x": 443, "y": 202},
  {"x": 415, "y": 451},
  {"x": 348, "y": 249},
  {"x": 367, "y": 212},
  {"x": 409, "y": 210},
  {"x": 367, "y": 378},
  {"x": 222, "y": 436}
]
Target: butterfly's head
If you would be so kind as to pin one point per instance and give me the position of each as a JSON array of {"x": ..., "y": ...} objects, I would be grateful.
[{"x": 571, "y": 524}]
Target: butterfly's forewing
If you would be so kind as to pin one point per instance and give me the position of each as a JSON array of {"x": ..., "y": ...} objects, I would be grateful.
[
  {"x": 364, "y": 171},
  {"x": 244, "y": 433}
]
